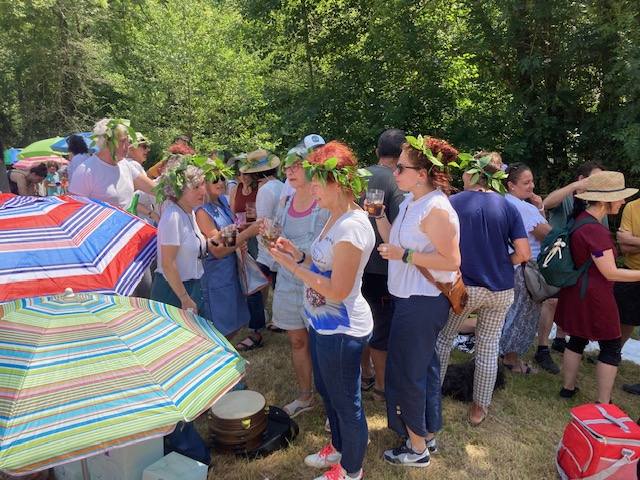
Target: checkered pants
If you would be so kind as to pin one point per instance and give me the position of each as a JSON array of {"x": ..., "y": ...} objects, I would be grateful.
[{"x": 491, "y": 308}]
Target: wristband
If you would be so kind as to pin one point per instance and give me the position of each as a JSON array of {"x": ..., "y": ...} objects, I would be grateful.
[
  {"x": 410, "y": 257},
  {"x": 304, "y": 256},
  {"x": 405, "y": 255}
]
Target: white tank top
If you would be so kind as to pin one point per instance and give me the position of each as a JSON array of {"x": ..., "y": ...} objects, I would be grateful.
[{"x": 405, "y": 279}]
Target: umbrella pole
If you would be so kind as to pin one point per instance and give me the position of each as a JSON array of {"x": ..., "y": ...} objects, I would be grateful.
[{"x": 85, "y": 469}]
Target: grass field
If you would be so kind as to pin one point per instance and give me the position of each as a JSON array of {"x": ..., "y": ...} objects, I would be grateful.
[{"x": 516, "y": 441}]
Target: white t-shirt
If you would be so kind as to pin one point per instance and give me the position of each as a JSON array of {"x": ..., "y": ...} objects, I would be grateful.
[
  {"x": 405, "y": 279},
  {"x": 75, "y": 161},
  {"x": 266, "y": 206},
  {"x": 178, "y": 228},
  {"x": 112, "y": 184},
  {"x": 531, "y": 217},
  {"x": 352, "y": 316}
]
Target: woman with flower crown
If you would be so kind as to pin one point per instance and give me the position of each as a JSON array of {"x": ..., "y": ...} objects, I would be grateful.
[
  {"x": 424, "y": 236},
  {"x": 339, "y": 317}
]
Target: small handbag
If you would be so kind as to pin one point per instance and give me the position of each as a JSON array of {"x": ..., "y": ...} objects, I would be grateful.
[
  {"x": 536, "y": 285},
  {"x": 456, "y": 291},
  {"x": 252, "y": 279}
]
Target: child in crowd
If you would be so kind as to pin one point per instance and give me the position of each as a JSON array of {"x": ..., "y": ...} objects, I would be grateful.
[{"x": 52, "y": 181}]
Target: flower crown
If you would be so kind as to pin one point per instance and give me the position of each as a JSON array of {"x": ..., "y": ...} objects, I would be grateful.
[
  {"x": 188, "y": 171},
  {"x": 350, "y": 177},
  {"x": 107, "y": 129},
  {"x": 477, "y": 167}
]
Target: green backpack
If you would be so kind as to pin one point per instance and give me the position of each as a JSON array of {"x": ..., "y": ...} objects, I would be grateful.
[{"x": 555, "y": 261}]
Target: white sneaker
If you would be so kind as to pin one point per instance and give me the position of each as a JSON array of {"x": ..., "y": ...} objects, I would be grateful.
[
  {"x": 405, "y": 456},
  {"x": 326, "y": 457},
  {"x": 337, "y": 473}
]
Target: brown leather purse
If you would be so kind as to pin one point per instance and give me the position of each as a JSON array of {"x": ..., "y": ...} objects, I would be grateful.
[{"x": 456, "y": 292}]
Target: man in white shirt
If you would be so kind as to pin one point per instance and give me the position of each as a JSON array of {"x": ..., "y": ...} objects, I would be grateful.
[{"x": 104, "y": 176}]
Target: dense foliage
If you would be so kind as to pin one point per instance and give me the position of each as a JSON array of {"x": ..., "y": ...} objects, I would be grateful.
[{"x": 548, "y": 82}]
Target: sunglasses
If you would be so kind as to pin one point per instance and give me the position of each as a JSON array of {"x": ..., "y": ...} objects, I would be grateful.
[{"x": 401, "y": 168}]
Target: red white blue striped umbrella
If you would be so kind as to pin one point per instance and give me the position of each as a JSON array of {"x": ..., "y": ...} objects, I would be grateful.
[{"x": 49, "y": 244}]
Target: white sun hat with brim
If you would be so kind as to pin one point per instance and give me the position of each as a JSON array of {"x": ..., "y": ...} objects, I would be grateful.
[
  {"x": 259, "y": 161},
  {"x": 606, "y": 186}
]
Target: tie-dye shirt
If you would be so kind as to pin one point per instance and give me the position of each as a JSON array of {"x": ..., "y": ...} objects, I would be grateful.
[{"x": 352, "y": 316}]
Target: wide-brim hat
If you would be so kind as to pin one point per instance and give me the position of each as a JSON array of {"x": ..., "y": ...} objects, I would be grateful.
[
  {"x": 606, "y": 186},
  {"x": 259, "y": 161}
]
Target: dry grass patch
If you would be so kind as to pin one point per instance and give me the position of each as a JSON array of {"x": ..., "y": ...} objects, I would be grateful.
[{"x": 517, "y": 441}]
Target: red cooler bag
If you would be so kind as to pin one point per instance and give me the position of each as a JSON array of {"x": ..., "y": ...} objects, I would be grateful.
[{"x": 601, "y": 442}]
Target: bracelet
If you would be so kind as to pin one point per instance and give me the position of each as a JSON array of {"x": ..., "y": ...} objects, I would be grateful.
[
  {"x": 304, "y": 256},
  {"x": 405, "y": 255},
  {"x": 410, "y": 257}
]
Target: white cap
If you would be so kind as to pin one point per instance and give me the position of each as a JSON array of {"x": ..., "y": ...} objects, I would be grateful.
[{"x": 312, "y": 141}]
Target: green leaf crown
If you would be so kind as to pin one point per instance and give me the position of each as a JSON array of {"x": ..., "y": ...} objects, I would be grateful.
[
  {"x": 350, "y": 177},
  {"x": 179, "y": 167},
  {"x": 476, "y": 167}
]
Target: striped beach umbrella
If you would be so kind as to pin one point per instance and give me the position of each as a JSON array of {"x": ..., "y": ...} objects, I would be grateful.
[
  {"x": 85, "y": 373},
  {"x": 49, "y": 244},
  {"x": 27, "y": 163}
]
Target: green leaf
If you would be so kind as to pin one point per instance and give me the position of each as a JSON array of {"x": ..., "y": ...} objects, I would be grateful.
[
  {"x": 330, "y": 163},
  {"x": 474, "y": 178}
]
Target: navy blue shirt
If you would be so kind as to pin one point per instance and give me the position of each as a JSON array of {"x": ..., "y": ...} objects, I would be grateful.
[{"x": 487, "y": 223}]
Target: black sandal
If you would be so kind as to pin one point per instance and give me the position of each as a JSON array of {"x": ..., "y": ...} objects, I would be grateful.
[
  {"x": 252, "y": 342},
  {"x": 272, "y": 328},
  {"x": 520, "y": 368}
]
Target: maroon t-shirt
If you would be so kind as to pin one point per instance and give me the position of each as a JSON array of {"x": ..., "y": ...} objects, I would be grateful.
[{"x": 594, "y": 317}]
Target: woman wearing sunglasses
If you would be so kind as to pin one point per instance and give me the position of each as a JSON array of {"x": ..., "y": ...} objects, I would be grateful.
[
  {"x": 424, "y": 235},
  {"x": 181, "y": 246}
]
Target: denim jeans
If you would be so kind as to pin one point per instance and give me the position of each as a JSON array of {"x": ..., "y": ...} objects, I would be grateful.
[{"x": 336, "y": 368}]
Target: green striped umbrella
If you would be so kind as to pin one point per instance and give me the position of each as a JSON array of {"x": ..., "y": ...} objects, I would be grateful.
[
  {"x": 82, "y": 374},
  {"x": 41, "y": 148}
]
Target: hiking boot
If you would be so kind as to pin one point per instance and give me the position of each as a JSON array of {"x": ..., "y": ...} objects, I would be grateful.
[
  {"x": 326, "y": 457},
  {"x": 405, "y": 456},
  {"x": 543, "y": 358},
  {"x": 558, "y": 344}
]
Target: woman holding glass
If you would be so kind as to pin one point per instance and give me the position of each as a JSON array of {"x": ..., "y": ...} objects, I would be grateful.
[
  {"x": 424, "y": 235},
  {"x": 339, "y": 317},
  {"x": 301, "y": 220},
  {"x": 225, "y": 303}
]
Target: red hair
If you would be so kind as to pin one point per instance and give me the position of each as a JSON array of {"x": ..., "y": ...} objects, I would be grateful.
[
  {"x": 438, "y": 178},
  {"x": 345, "y": 156}
]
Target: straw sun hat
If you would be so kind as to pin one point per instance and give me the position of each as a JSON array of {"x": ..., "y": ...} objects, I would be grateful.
[
  {"x": 606, "y": 187},
  {"x": 259, "y": 161}
]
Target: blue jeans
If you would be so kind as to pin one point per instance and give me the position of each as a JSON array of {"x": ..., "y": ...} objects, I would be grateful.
[
  {"x": 336, "y": 369},
  {"x": 412, "y": 375}
]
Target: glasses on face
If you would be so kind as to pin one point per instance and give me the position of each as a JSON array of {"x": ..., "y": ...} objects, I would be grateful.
[
  {"x": 401, "y": 168},
  {"x": 292, "y": 168}
]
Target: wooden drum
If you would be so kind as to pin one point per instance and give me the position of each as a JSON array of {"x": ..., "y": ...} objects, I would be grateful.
[{"x": 238, "y": 421}]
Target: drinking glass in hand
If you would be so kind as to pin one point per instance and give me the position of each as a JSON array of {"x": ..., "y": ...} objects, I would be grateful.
[
  {"x": 229, "y": 234},
  {"x": 271, "y": 231},
  {"x": 251, "y": 212},
  {"x": 375, "y": 201}
]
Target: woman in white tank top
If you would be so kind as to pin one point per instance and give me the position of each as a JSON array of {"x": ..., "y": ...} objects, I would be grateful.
[{"x": 424, "y": 234}]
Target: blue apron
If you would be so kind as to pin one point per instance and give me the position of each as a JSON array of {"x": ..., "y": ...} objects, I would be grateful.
[{"x": 225, "y": 304}]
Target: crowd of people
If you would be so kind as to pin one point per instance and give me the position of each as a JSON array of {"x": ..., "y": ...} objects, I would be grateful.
[{"x": 360, "y": 295}]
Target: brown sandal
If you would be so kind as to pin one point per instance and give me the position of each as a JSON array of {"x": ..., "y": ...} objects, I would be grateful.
[{"x": 252, "y": 342}]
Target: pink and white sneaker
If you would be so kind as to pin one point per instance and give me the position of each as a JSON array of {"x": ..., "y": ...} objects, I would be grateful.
[
  {"x": 337, "y": 473},
  {"x": 326, "y": 457}
]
